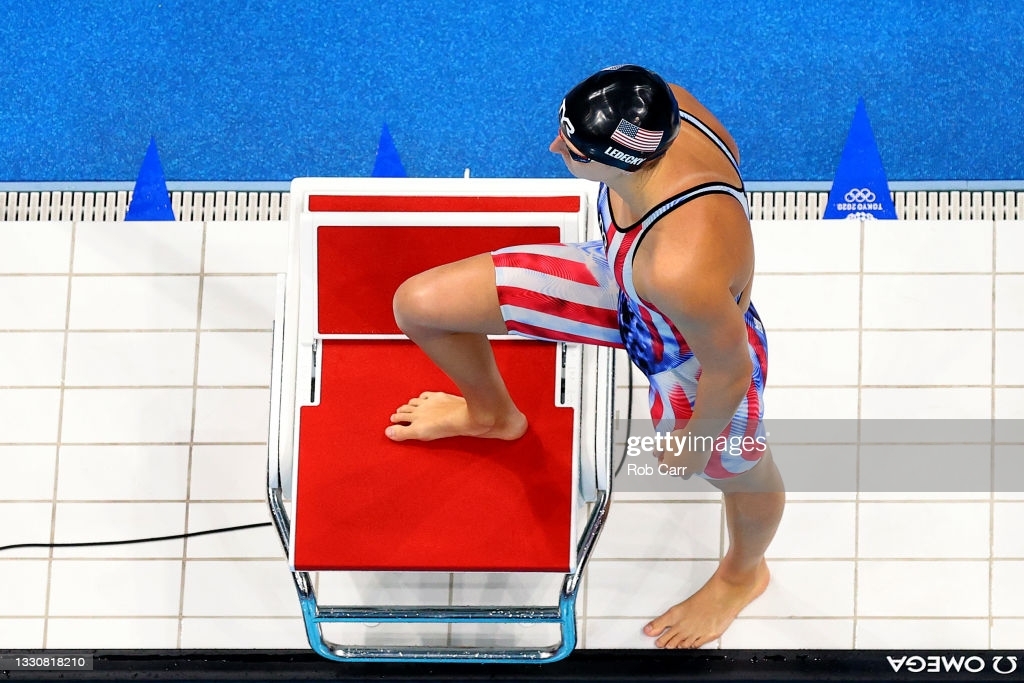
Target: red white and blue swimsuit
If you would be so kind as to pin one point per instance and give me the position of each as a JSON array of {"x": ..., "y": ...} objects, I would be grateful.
[{"x": 585, "y": 293}]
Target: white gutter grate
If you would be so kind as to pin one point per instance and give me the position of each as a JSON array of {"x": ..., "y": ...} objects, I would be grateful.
[
  {"x": 953, "y": 205},
  {"x": 227, "y": 205},
  {"x": 224, "y": 205}
]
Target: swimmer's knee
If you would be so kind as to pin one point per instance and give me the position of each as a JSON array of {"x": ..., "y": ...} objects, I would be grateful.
[
  {"x": 414, "y": 305},
  {"x": 459, "y": 297}
]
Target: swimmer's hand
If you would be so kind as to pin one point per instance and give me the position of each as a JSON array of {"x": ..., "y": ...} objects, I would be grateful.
[{"x": 685, "y": 454}]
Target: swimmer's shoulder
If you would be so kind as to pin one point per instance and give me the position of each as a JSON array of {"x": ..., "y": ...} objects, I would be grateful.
[{"x": 691, "y": 105}]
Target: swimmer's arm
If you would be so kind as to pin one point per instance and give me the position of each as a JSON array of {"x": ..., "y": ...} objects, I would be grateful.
[{"x": 690, "y": 284}]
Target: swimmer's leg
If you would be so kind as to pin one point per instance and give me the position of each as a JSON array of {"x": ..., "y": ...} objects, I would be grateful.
[
  {"x": 754, "y": 503},
  {"x": 449, "y": 311},
  {"x": 555, "y": 292}
]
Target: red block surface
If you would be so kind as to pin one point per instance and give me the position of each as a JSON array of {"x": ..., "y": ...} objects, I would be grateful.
[
  {"x": 359, "y": 268},
  {"x": 461, "y": 504},
  {"x": 454, "y": 504}
]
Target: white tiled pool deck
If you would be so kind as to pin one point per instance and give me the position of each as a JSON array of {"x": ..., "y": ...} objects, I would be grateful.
[{"x": 134, "y": 373}]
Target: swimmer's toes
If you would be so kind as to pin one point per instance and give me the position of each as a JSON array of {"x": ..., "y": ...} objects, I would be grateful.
[{"x": 399, "y": 432}]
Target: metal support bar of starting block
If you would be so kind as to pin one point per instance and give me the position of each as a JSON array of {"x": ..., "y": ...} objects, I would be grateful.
[{"x": 315, "y": 615}]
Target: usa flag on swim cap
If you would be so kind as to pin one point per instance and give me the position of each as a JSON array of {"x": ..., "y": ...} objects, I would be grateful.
[{"x": 640, "y": 139}]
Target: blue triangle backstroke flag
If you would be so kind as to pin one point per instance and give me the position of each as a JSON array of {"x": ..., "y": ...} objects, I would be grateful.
[
  {"x": 387, "y": 164},
  {"x": 860, "y": 189},
  {"x": 150, "y": 199}
]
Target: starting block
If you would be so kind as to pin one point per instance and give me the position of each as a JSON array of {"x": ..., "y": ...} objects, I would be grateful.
[{"x": 344, "y": 498}]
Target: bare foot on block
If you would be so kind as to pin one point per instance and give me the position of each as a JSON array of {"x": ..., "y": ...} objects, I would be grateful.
[{"x": 437, "y": 415}]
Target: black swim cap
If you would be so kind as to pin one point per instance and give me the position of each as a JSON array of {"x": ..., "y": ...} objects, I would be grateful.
[{"x": 622, "y": 116}]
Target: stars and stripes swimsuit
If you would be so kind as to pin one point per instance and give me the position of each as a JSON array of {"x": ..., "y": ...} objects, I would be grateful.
[{"x": 585, "y": 293}]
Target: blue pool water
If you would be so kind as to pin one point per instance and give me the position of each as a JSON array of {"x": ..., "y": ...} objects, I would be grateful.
[{"x": 255, "y": 90}]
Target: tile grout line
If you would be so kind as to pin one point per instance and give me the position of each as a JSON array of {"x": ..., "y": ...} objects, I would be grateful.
[
  {"x": 805, "y": 617},
  {"x": 192, "y": 433},
  {"x": 135, "y": 443},
  {"x": 760, "y": 273},
  {"x": 581, "y": 611},
  {"x": 150, "y": 273},
  {"x": 142, "y": 330},
  {"x": 620, "y": 362},
  {"x": 451, "y": 602},
  {"x": 115, "y": 387},
  {"x": 60, "y": 424},
  {"x": 93, "y": 387},
  {"x": 906, "y": 559},
  {"x": 992, "y": 449},
  {"x": 723, "y": 533},
  {"x": 628, "y": 387},
  {"x": 860, "y": 399}
]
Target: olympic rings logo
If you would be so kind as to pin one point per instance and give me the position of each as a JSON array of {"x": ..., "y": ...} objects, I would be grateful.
[{"x": 860, "y": 195}]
